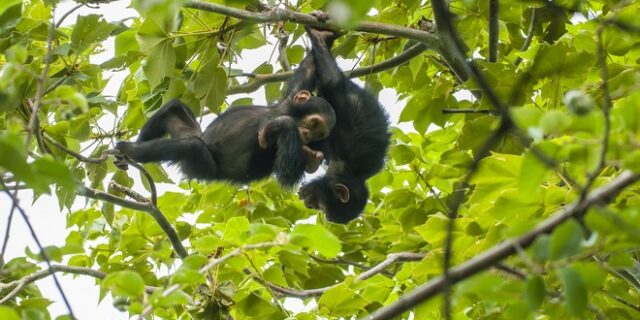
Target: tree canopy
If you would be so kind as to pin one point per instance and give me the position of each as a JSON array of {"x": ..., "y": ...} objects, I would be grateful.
[{"x": 512, "y": 193}]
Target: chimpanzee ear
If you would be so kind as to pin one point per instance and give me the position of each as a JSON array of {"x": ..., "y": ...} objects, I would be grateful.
[
  {"x": 341, "y": 192},
  {"x": 301, "y": 97}
]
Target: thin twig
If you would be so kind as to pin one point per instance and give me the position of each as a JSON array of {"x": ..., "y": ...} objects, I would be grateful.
[
  {"x": 130, "y": 193},
  {"x": 259, "y": 80},
  {"x": 606, "y": 105},
  {"x": 348, "y": 263},
  {"x": 43, "y": 253},
  {"x": 20, "y": 284},
  {"x": 147, "y": 176},
  {"x": 103, "y": 157},
  {"x": 494, "y": 30},
  {"x": 527, "y": 40},
  {"x": 9, "y": 221},
  {"x": 34, "y": 121},
  {"x": 66, "y": 15},
  {"x": 155, "y": 213},
  {"x": 481, "y": 111},
  {"x": 377, "y": 269}
]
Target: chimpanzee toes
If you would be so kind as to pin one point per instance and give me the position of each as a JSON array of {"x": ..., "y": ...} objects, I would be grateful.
[
  {"x": 120, "y": 162},
  {"x": 320, "y": 15}
]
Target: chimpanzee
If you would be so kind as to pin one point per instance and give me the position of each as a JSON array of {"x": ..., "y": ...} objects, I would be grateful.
[
  {"x": 356, "y": 147},
  {"x": 242, "y": 144}
]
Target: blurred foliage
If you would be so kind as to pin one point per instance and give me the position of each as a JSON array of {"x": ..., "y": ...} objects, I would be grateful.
[{"x": 585, "y": 269}]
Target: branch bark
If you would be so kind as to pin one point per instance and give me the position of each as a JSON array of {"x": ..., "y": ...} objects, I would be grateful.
[
  {"x": 379, "y": 268},
  {"x": 20, "y": 284},
  {"x": 148, "y": 208},
  {"x": 279, "y": 14},
  {"x": 504, "y": 249}
]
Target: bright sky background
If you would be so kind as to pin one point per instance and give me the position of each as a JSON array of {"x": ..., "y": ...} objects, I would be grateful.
[{"x": 50, "y": 223}]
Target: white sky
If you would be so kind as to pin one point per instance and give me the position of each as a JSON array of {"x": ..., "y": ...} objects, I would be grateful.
[{"x": 50, "y": 223}]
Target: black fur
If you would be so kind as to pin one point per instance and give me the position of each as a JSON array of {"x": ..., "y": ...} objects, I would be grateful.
[
  {"x": 229, "y": 148},
  {"x": 356, "y": 147}
]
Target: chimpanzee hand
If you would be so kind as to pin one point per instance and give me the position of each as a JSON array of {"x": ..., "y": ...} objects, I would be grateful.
[
  {"x": 312, "y": 158},
  {"x": 119, "y": 155}
]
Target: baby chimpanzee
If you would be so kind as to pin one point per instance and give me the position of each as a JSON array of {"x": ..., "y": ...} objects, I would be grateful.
[{"x": 243, "y": 144}]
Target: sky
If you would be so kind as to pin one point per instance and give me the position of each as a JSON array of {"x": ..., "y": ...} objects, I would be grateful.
[{"x": 50, "y": 223}]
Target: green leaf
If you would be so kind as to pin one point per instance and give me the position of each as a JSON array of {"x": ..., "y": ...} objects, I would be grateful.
[
  {"x": 402, "y": 154},
  {"x": 575, "y": 292},
  {"x": 534, "y": 292},
  {"x": 8, "y": 3},
  {"x": 566, "y": 240},
  {"x": 540, "y": 248},
  {"x": 90, "y": 29},
  {"x": 554, "y": 121},
  {"x": 8, "y": 313},
  {"x": 340, "y": 301},
  {"x": 211, "y": 83},
  {"x": 124, "y": 283},
  {"x": 236, "y": 229},
  {"x": 187, "y": 276},
  {"x": 153, "y": 37},
  {"x": 317, "y": 238}
]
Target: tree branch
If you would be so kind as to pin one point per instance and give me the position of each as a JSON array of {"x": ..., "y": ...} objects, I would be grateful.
[
  {"x": 527, "y": 40},
  {"x": 494, "y": 30},
  {"x": 20, "y": 284},
  {"x": 262, "y": 79},
  {"x": 379, "y": 268},
  {"x": 149, "y": 208},
  {"x": 482, "y": 111},
  {"x": 504, "y": 249},
  {"x": 606, "y": 105},
  {"x": 279, "y": 14}
]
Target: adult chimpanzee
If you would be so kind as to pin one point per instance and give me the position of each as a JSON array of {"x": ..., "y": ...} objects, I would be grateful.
[
  {"x": 243, "y": 144},
  {"x": 356, "y": 147}
]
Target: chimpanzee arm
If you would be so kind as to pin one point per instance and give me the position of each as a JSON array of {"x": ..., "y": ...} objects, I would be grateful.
[
  {"x": 304, "y": 78},
  {"x": 329, "y": 75},
  {"x": 282, "y": 132}
]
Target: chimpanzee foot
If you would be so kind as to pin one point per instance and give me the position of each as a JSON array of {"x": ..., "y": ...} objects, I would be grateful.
[{"x": 320, "y": 15}]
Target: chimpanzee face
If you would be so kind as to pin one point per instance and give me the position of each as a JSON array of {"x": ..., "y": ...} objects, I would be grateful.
[
  {"x": 315, "y": 116},
  {"x": 340, "y": 199}
]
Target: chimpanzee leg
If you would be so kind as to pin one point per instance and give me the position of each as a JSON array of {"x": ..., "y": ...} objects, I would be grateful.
[
  {"x": 174, "y": 118},
  {"x": 290, "y": 160},
  {"x": 192, "y": 154}
]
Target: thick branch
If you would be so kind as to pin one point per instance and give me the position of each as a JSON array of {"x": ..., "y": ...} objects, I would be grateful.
[
  {"x": 262, "y": 79},
  {"x": 279, "y": 14},
  {"x": 504, "y": 249}
]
